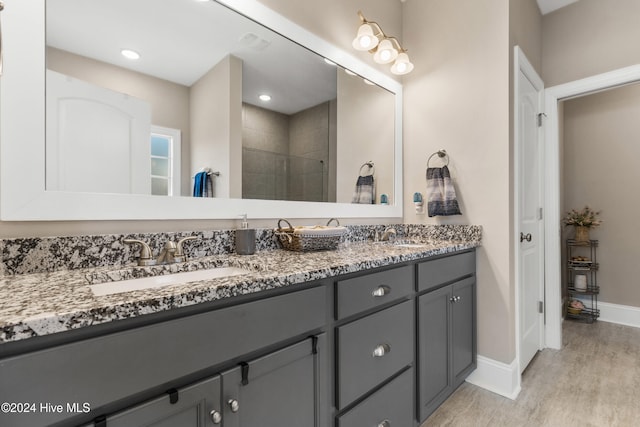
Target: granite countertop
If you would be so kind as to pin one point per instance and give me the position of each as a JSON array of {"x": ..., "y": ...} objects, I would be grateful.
[{"x": 46, "y": 303}]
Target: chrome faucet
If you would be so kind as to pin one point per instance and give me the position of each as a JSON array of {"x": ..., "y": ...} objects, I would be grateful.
[
  {"x": 171, "y": 253},
  {"x": 145, "y": 252},
  {"x": 179, "y": 255},
  {"x": 388, "y": 233},
  {"x": 167, "y": 254}
]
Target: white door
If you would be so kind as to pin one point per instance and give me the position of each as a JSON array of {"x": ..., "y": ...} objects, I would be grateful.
[
  {"x": 530, "y": 230},
  {"x": 97, "y": 139}
]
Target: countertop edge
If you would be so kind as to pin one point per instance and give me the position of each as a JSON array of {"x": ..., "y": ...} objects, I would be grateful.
[{"x": 107, "y": 310}]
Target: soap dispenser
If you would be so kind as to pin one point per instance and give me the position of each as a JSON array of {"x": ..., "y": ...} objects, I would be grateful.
[{"x": 245, "y": 238}]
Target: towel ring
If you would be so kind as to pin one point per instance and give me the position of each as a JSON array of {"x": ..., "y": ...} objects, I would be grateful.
[
  {"x": 368, "y": 164},
  {"x": 441, "y": 154}
]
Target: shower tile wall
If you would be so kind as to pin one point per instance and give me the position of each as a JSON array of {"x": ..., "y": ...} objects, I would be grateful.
[
  {"x": 265, "y": 143},
  {"x": 285, "y": 157},
  {"x": 309, "y": 139}
]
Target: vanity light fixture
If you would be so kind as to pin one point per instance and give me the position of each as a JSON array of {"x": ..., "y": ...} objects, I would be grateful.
[
  {"x": 385, "y": 49},
  {"x": 130, "y": 54},
  {"x": 265, "y": 97}
]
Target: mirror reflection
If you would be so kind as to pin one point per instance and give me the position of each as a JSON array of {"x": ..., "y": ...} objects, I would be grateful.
[{"x": 195, "y": 99}]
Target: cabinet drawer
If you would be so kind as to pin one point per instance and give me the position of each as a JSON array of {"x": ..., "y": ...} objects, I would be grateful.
[
  {"x": 445, "y": 270},
  {"x": 106, "y": 369},
  {"x": 390, "y": 332},
  {"x": 392, "y": 403},
  {"x": 365, "y": 292}
]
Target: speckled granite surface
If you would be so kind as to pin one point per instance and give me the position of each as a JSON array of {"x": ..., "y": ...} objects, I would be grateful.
[
  {"x": 45, "y": 303},
  {"x": 48, "y": 254}
]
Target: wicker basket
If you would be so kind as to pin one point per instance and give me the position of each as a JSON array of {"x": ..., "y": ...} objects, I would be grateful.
[
  {"x": 574, "y": 310},
  {"x": 306, "y": 239}
]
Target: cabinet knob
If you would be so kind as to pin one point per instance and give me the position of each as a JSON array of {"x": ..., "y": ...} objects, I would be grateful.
[
  {"x": 233, "y": 405},
  {"x": 381, "y": 291},
  {"x": 384, "y": 423},
  {"x": 381, "y": 350},
  {"x": 216, "y": 416}
]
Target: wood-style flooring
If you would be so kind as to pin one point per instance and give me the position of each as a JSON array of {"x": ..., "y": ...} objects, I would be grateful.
[{"x": 593, "y": 381}]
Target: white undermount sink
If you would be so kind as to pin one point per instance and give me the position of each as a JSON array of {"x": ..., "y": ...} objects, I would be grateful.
[
  {"x": 410, "y": 245},
  {"x": 110, "y": 288}
]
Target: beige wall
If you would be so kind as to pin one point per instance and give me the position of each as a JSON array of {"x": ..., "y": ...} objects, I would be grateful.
[
  {"x": 589, "y": 37},
  {"x": 584, "y": 39},
  {"x": 525, "y": 30},
  {"x": 337, "y": 20},
  {"x": 457, "y": 98},
  {"x": 364, "y": 132},
  {"x": 600, "y": 167},
  {"x": 216, "y": 121}
]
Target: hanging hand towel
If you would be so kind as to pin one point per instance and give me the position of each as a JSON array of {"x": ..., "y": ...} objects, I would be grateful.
[
  {"x": 365, "y": 192},
  {"x": 441, "y": 195},
  {"x": 208, "y": 186},
  {"x": 199, "y": 184}
]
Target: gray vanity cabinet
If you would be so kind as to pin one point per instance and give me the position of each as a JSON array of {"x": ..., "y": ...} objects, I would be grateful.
[
  {"x": 376, "y": 349},
  {"x": 280, "y": 388},
  {"x": 446, "y": 342},
  {"x": 191, "y": 406}
]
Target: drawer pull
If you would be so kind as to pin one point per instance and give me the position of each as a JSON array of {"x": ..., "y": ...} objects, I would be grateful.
[
  {"x": 233, "y": 405},
  {"x": 381, "y": 291},
  {"x": 384, "y": 423},
  {"x": 455, "y": 298},
  {"x": 216, "y": 417},
  {"x": 381, "y": 350}
]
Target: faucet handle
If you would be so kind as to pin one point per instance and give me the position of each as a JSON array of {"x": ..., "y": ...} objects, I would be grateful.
[
  {"x": 145, "y": 252},
  {"x": 179, "y": 255}
]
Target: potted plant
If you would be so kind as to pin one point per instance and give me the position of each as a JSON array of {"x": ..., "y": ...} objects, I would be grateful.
[{"x": 582, "y": 220}]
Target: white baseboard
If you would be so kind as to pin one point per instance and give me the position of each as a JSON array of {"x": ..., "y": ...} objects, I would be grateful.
[
  {"x": 497, "y": 377},
  {"x": 621, "y": 314}
]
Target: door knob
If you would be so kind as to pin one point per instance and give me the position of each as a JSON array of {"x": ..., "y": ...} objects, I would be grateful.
[{"x": 524, "y": 237}]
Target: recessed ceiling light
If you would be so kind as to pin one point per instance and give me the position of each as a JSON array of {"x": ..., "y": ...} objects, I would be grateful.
[
  {"x": 265, "y": 98},
  {"x": 130, "y": 54}
]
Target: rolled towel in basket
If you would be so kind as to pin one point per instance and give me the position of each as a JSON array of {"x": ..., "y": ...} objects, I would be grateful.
[{"x": 441, "y": 195}]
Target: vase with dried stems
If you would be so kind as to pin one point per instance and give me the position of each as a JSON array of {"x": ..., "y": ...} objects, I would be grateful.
[{"x": 583, "y": 220}]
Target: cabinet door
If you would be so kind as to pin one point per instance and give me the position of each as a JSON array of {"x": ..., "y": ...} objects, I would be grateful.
[
  {"x": 433, "y": 349},
  {"x": 463, "y": 335},
  {"x": 280, "y": 389},
  {"x": 194, "y": 407}
]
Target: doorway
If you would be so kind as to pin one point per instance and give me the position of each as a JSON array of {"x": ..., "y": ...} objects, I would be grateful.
[{"x": 553, "y": 232}]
